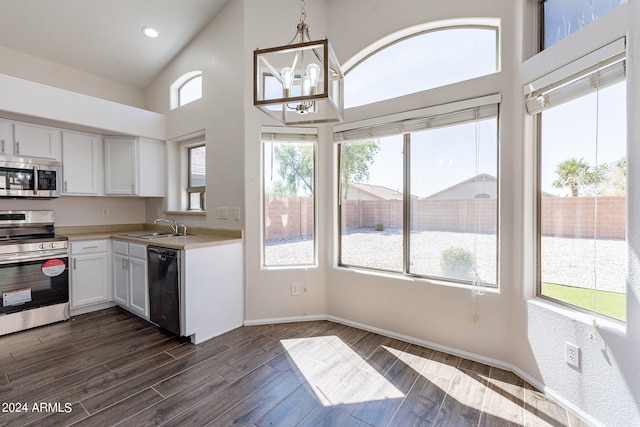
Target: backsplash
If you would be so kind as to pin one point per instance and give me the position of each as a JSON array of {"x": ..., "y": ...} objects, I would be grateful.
[{"x": 76, "y": 211}]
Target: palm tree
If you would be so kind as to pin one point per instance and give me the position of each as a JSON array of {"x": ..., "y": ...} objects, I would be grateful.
[{"x": 575, "y": 173}]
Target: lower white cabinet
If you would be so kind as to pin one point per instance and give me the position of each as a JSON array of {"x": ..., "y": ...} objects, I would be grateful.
[
  {"x": 130, "y": 281},
  {"x": 89, "y": 273}
]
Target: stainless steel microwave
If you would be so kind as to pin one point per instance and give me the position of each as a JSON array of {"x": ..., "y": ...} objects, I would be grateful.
[{"x": 29, "y": 178}]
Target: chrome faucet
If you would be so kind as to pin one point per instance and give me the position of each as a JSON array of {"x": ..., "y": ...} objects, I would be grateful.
[
  {"x": 172, "y": 223},
  {"x": 184, "y": 229}
]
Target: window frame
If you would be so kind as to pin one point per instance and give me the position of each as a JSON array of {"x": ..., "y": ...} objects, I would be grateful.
[
  {"x": 402, "y": 119},
  {"x": 185, "y": 83},
  {"x": 178, "y": 84},
  {"x": 293, "y": 135},
  {"x": 190, "y": 189},
  {"x": 595, "y": 62},
  {"x": 542, "y": 27},
  {"x": 478, "y": 24}
]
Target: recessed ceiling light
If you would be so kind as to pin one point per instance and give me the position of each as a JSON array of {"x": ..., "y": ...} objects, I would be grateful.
[{"x": 152, "y": 33}]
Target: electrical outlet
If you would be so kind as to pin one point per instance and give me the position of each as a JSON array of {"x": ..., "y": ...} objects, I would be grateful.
[
  {"x": 105, "y": 211},
  {"x": 222, "y": 213},
  {"x": 236, "y": 214},
  {"x": 295, "y": 288},
  {"x": 572, "y": 354}
]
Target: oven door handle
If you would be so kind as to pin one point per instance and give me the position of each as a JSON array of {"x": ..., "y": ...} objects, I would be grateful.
[{"x": 42, "y": 255}]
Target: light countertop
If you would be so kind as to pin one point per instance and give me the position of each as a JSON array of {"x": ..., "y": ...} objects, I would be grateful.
[{"x": 201, "y": 238}]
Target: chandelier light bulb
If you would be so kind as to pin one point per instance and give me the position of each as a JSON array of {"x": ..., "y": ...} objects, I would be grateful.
[
  {"x": 313, "y": 72},
  {"x": 287, "y": 77}
]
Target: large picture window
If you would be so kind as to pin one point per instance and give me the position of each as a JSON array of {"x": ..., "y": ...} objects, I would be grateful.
[
  {"x": 582, "y": 190},
  {"x": 289, "y": 182},
  {"x": 418, "y": 195}
]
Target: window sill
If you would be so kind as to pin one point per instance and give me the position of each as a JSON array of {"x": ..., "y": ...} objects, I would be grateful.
[
  {"x": 418, "y": 280},
  {"x": 187, "y": 213},
  {"x": 592, "y": 319}
]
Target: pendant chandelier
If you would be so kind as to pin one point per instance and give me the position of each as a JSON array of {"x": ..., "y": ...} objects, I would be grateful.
[{"x": 301, "y": 82}]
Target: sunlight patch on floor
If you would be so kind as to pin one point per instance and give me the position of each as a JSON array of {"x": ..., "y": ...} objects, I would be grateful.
[{"x": 336, "y": 373}]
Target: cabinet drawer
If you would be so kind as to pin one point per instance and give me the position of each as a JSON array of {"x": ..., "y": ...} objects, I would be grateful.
[
  {"x": 137, "y": 251},
  {"x": 120, "y": 247},
  {"x": 89, "y": 247}
]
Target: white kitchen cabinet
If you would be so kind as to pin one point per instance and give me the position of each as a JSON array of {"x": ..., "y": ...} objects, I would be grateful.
[
  {"x": 139, "y": 286},
  {"x": 6, "y": 138},
  {"x": 213, "y": 290},
  {"x": 134, "y": 166},
  {"x": 130, "y": 282},
  {"x": 81, "y": 164},
  {"x": 36, "y": 141},
  {"x": 89, "y": 273}
]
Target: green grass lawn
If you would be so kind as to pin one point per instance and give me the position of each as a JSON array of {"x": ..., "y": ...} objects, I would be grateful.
[{"x": 611, "y": 304}]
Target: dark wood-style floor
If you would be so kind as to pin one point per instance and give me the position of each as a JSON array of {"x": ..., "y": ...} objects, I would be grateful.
[{"x": 109, "y": 367}]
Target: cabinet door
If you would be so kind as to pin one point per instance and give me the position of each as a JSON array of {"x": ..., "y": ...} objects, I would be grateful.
[
  {"x": 121, "y": 280},
  {"x": 81, "y": 155},
  {"x": 151, "y": 168},
  {"x": 89, "y": 279},
  {"x": 120, "y": 166},
  {"x": 139, "y": 302},
  {"x": 36, "y": 141},
  {"x": 6, "y": 138}
]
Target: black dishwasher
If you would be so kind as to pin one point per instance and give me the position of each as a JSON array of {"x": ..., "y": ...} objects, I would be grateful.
[{"x": 164, "y": 287}]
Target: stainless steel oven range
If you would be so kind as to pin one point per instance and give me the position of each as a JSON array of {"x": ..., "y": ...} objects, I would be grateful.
[{"x": 34, "y": 274}]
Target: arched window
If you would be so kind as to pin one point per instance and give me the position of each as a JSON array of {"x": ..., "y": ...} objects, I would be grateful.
[
  {"x": 187, "y": 88},
  {"x": 420, "y": 61}
]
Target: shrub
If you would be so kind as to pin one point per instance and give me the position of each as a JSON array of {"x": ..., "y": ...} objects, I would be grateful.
[
  {"x": 378, "y": 227},
  {"x": 457, "y": 263}
]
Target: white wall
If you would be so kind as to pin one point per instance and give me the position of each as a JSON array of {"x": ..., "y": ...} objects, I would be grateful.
[
  {"x": 268, "y": 293},
  {"x": 218, "y": 51},
  {"x": 29, "y": 67}
]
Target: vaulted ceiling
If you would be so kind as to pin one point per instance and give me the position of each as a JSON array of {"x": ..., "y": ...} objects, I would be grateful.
[{"x": 104, "y": 37}]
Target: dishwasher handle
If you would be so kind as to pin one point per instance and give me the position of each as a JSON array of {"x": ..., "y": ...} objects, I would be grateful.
[{"x": 162, "y": 253}]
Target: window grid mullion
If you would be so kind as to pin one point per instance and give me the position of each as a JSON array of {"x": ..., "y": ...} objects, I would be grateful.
[{"x": 406, "y": 204}]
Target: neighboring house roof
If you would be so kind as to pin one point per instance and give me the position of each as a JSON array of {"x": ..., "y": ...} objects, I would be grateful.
[
  {"x": 468, "y": 188},
  {"x": 377, "y": 191}
]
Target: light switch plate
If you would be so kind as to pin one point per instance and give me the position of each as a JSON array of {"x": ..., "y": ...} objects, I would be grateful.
[{"x": 223, "y": 213}]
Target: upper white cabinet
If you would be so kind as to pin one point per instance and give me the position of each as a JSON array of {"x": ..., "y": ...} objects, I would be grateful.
[
  {"x": 6, "y": 138},
  {"x": 134, "y": 166},
  {"x": 81, "y": 163},
  {"x": 36, "y": 141}
]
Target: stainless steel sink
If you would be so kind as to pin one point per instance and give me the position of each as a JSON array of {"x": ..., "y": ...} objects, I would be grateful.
[{"x": 151, "y": 234}]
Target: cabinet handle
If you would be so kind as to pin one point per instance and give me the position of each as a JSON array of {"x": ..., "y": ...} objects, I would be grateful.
[
  {"x": 17, "y": 147},
  {"x": 65, "y": 185},
  {"x": 133, "y": 187},
  {"x": 75, "y": 263},
  {"x": 3, "y": 145},
  {"x": 89, "y": 247}
]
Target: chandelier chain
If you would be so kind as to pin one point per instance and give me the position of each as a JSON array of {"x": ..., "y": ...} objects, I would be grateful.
[{"x": 303, "y": 12}]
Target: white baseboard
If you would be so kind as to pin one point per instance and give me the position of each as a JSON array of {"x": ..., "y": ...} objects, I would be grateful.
[
  {"x": 551, "y": 394},
  {"x": 274, "y": 320},
  {"x": 90, "y": 308}
]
